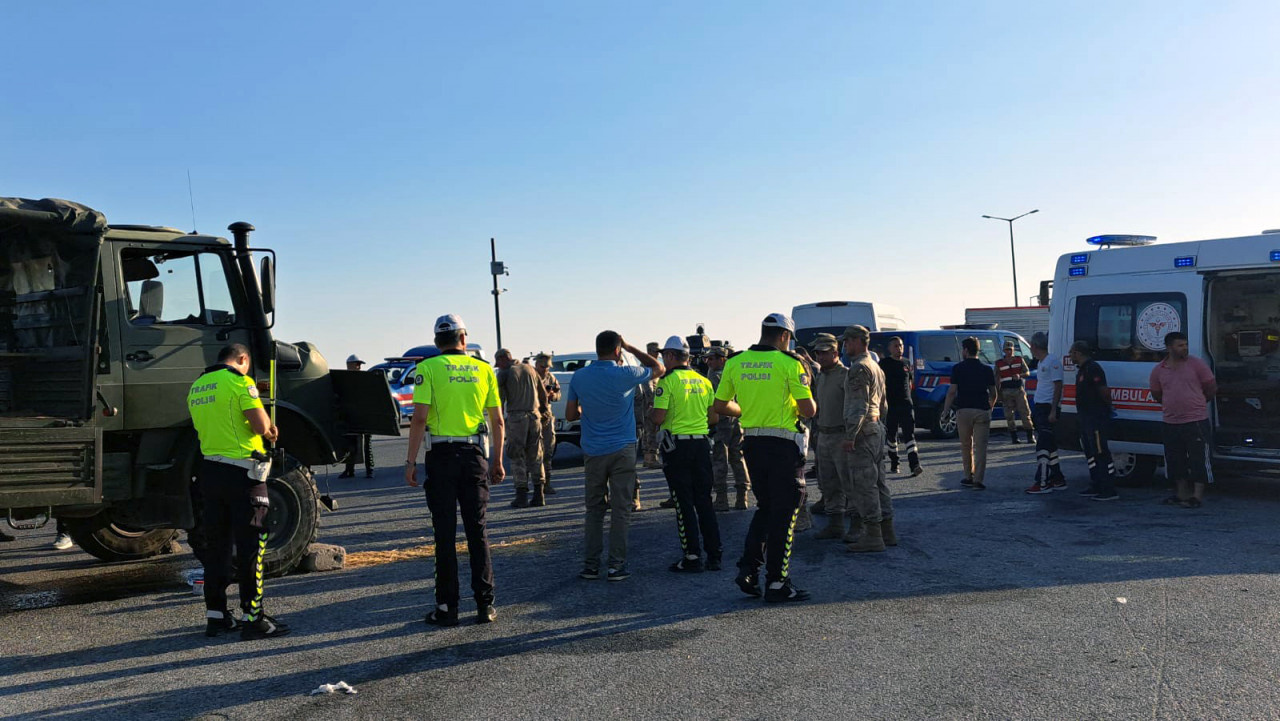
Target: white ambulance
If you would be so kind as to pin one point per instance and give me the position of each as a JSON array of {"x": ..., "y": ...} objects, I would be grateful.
[{"x": 1127, "y": 292}]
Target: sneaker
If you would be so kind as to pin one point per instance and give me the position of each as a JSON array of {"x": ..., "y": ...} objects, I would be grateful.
[
  {"x": 1088, "y": 492},
  {"x": 442, "y": 615},
  {"x": 967, "y": 482},
  {"x": 784, "y": 592},
  {"x": 688, "y": 564},
  {"x": 214, "y": 627},
  {"x": 1112, "y": 496},
  {"x": 1038, "y": 488},
  {"x": 63, "y": 542},
  {"x": 917, "y": 470},
  {"x": 1057, "y": 484},
  {"x": 618, "y": 574},
  {"x": 978, "y": 486},
  {"x": 486, "y": 613},
  {"x": 749, "y": 582},
  {"x": 590, "y": 574},
  {"x": 264, "y": 627}
]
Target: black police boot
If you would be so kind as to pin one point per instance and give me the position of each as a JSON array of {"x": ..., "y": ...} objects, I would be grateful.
[
  {"x": 214, "y": 627},
  {"x": 264, "y": 627},
  {"x": 749, "y": 582},
  {"x": 486, "y": 613},
  {"x": 443, "y": 615},
  {"x": 688, "y": 564},
  {"x": 669, "y": 503},
  {"x": 713, "y": 563},
  {"x": 787, "y": 593},
  {"x": 522, "y": 498},
  {"x": 349, "y": 472}
]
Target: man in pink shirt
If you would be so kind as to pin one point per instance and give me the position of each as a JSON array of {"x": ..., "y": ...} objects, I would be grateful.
[{"x": 1184, "y": 386}]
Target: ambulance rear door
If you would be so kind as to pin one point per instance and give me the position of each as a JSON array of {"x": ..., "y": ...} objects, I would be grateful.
[{"x": 1242, "y": 329}]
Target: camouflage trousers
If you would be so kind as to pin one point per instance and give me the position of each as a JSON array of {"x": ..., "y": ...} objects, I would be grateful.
[
  {"x": 726, "y": 453},
  {"x": 548, "y": 443},
  {"x": 649, "y": 439},
  {"x": 835, "y": 473},
  {"x": 870, "y": 498},
  {"x": 523, "y": 449}
]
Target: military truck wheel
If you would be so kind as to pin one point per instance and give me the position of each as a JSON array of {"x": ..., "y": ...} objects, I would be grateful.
[
  {"x": 294, "y": 519},
  {"x": 101, "y": 538}
]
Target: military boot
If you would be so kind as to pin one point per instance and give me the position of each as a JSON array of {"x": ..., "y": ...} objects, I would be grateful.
[
  {"x": 804, "y": 521},
  {"x": 886, "y": 532},
  {"x": 1030, "y": 437},
  {"x": 539, "y": 497},
  {"x": 871, "y": 540},
  {"x": 651, "y": 460},
  {"x": 819, "y": 508},
  {"x": 855, "y": 528},
  {"x": 1013, "y": 436},
  {"x": 722, "y": 501},
  {"x": 834, "y": 527},
  {"x": 522, "y": 498},
  {"x": 740, "y": 500}
]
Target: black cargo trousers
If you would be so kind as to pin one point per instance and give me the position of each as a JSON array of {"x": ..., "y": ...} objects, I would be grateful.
[
  {"x": 458, "y": 479},
  {"x": 234, "y": 514},
  {"x": 772, "y": 464},
  {"x": 688, "y": 472}
]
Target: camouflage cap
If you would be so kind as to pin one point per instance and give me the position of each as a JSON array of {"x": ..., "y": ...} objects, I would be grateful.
[
  {"x": 824, "y": 341},
  {"x": 718, "y": 351},
  {"x": 857, "y": 331}
]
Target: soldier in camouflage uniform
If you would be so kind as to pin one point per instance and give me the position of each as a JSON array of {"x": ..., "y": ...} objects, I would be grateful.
[
  {"x": 522, "y": 396},
  {"x": 650, "y": 440},
  {"x": 542, "y": 364},
  {"x": 864, "y": 406},
  {"x": 726, "y": 446}
]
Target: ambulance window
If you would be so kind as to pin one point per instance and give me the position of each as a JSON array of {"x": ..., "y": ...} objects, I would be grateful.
[{"x": 1131, "y": 326}]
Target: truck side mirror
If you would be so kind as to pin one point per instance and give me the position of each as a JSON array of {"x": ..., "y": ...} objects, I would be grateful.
[{"x": 268, "y": 283}]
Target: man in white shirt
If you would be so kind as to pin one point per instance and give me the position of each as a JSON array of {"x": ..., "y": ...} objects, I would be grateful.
[{"x": 1044, "y": 414}]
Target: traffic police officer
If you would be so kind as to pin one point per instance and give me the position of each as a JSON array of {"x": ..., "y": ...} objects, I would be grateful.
[
  {"x": 864, "y": 406},
  {"x": 542, "y": 364},
  {"x": 452, "y": 394},
  {"x": 726, "y": 445},
  {"x": 232, "y": 425},
  {"x": 772, "y": 391},
  {"x": 682, "y": 408},
  {"x": 900, "y": 421}
]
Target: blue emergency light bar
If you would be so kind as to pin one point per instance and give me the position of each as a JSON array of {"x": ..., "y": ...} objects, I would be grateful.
[
  {"x": 1121, "y": 240},
  {"x": 1275, "y": 256},
  {"x": 1079, "y": 258},
  {"x": 1184, "y": 261},
  {"x": 1078, "y": 271}
]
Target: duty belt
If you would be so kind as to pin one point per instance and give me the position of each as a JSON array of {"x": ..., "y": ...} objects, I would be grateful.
[
  {"x": 772, "y": 432},
  {"x": 245, "y": 463},
  {"x": 831, "y": 429},
  {"x": 473, "y": 440},
  {"x": 690, "y": 436}
]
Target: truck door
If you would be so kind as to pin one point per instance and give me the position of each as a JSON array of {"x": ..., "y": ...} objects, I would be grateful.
[
  {"x": 1242, "y": 342},
  {"x": 176, "y": 313}
]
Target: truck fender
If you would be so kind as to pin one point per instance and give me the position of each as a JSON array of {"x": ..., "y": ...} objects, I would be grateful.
[{"x": 302, "y": 437}]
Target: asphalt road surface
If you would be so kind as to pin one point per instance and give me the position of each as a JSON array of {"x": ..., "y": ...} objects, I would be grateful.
[{"x": 996, "y": 605}]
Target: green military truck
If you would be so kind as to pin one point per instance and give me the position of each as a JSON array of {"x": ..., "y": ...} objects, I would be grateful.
[{"x": 103, "y": 328}]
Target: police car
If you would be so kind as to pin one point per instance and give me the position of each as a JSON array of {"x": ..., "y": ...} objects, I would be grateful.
[
  {"x": 1126, "y": 292},
  {"x": 933, "y": 353},
  {"x": 399, "y": 373}
]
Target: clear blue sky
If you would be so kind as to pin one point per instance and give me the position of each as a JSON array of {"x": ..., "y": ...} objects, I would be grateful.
[{"x": 646, "y": 165}]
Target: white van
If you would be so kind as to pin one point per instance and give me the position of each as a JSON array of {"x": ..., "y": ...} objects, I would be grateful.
[
  {"x": 833, "y": 316},
  {"x": 1127, "y": 293},
  {"x": 563, "y": 367}
]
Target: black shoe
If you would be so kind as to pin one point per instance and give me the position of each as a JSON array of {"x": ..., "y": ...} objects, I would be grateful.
[
  {"x": 713, "y": 563},
  {"x": 1030, "y": 438},
  {"x": 787, "y": 594},
  {"x": 917, "y": 470},
  {"x": 368, "y": 474},
  {"x": 978, "y": 486},
  {"x": 589, "y": 574},
  {"x": 669, "y": 503},
  {"x": 687, "y": 565},
  {"x": 749, "y": 582},
  {"x": 967, "y": 482},
  {"x": 1089, "y": 492},
  {"x": 893, "y": 468},
  {"x": 349, "y": 473},
  {"x": 522, "y": 498},
  {"x": 1112, "y": 496},
  {"x": 442, "y": 616},
  {"x": 618, "y": 574},
  {"x": 1013, "y": 437},
  {"x": 486, "y": 613},
  {"x": 264, "y": 627},
  {"x": 214, "y": 627}
]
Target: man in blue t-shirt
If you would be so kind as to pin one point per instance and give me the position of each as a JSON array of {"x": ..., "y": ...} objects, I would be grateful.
[{"x": 602, "y": 395}]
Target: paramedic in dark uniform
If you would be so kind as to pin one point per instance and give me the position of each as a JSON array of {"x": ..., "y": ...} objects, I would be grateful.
[
  {"x": 901, "y": 421},
  {"x": 772, "y": 395},
  {"x": 1093, "y": 414},
  {"x": 232, "y": 426},
  {"x": 452, "y": 394}
]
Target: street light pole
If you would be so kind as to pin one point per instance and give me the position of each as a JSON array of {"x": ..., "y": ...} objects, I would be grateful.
[
  {"x": 496, "y": 269},
  {"x": 1012, "y": 257}
]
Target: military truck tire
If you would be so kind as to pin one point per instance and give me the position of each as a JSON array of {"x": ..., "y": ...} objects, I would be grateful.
[
  {"x": 294, "y": 519},
  {"x": 101, "y": 538}
]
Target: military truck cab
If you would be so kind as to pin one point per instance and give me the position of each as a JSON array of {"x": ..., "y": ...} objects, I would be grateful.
[{"x": 102, "y": 331}]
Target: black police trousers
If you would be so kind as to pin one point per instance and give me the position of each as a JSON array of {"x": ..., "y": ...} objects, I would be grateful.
[
  {"x": 234, "y": 512},
  {"x": 900, "y": 424},
  {"x": 458, "y": 478},
  {"x": 773, "y": 464},
  {"x": 688, "y": 472}
]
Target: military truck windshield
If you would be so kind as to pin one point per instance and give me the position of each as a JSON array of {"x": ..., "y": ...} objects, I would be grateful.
[{"x": 176, "y": 287}]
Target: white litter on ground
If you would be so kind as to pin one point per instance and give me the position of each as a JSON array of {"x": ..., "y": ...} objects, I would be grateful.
[
  {"x": 1121, "y": 599},
  {"x": 334, "y": 688}
]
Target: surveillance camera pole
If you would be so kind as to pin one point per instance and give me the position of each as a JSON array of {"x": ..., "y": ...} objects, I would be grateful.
[{"x": 496, "y": 269}]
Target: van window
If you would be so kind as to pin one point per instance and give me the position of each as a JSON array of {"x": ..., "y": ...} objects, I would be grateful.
[
  {"x": 1129, "y": 326},
  {"x": 989, "y": 350},
  {"x": 942, "y": 348}
]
